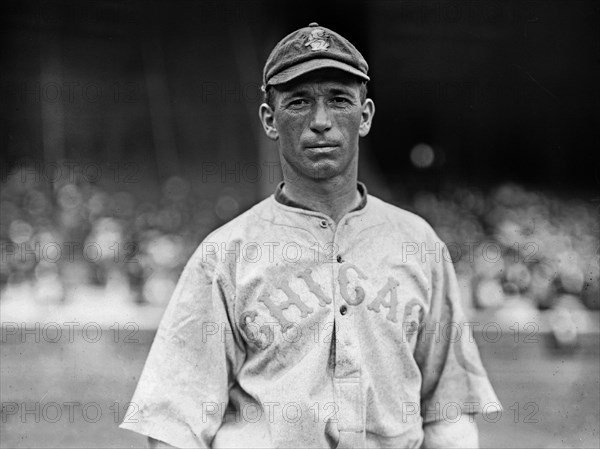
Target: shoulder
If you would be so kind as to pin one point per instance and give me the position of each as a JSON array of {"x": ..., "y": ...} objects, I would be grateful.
[{"x": 402, "y": 221}]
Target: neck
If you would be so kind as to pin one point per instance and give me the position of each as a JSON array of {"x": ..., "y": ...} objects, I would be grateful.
[{"x": 333, "y": 197}]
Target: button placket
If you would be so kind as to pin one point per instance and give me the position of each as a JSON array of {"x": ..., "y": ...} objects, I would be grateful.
[{"x": 347, "y": 378}]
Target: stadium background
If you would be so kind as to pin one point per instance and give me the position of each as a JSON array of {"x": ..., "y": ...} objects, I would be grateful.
[{"x": 130, "y": 130}]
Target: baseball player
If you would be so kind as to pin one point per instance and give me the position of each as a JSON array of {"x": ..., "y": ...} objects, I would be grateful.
[{"x": 323, "y": 316}]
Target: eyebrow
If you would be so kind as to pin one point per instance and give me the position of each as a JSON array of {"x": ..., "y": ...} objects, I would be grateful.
[{"x": 341, "y": 90}]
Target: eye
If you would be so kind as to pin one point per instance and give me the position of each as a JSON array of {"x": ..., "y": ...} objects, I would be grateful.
[
  {"x": 341, "y": 101},
  {"x": 298, "y": 103}
]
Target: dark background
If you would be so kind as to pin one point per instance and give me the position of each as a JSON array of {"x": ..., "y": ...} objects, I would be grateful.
[{"x": 500, "y": 90}]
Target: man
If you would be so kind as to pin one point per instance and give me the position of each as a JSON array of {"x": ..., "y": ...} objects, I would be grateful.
[{"x": 321, "y": 317}]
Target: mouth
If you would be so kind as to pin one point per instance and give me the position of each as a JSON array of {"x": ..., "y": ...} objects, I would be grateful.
[{"x": 322, "y": 147}]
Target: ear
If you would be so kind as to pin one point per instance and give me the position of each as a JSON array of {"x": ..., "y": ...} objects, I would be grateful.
[
  {"x": 368, "y": 111},
  {"x": 267, "y": 118}
]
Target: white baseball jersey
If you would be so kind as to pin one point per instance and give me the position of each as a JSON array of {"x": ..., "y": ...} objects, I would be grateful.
[{"x": 286, "y": 330}]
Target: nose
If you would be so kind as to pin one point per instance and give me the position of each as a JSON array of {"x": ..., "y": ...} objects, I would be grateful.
[{"x": 320, "y": 120}]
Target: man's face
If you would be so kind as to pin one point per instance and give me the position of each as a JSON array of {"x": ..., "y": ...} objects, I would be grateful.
[{"x": 317, "y": 120}]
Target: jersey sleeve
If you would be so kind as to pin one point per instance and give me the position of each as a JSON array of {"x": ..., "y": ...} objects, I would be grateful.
[
  {"x": 182, "y": 393},
  {"x": 454, "y": 381}
]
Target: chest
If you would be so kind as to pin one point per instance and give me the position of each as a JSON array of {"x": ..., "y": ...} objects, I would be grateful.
[{"x": 293, "y": 290}]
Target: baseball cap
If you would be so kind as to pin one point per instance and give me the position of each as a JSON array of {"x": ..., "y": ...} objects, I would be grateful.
[{"x": 311, "y": 48}]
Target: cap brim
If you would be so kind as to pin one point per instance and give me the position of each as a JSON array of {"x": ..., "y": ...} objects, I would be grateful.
[{"x": 311, "y": 65}]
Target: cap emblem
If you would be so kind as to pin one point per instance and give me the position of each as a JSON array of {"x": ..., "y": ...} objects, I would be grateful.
[{"x": 317, "y": 40}]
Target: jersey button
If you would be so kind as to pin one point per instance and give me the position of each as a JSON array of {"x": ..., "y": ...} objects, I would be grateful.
[
  {"x": 343, "y": 309},
  {"x": 323, "y": 223},
  {"x": 339, "y": 259}
]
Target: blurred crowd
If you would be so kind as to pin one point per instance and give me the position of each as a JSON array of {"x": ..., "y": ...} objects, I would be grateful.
[
  {"x": 59, "y": 233},
  {"x": 512, "y": 242},
  {"x": 133, "y": 241}
]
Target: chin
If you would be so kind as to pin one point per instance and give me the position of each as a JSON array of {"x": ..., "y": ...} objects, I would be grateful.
[{"x": 324, "y": 171}]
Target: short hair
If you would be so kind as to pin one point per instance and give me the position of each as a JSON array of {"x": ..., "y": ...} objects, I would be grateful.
[{"x": 269, "y": 94}]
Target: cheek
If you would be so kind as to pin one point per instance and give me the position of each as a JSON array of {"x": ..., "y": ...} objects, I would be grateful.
[
  {"x": 348, "y": 124},
  {"x": 289, "y": 128}
]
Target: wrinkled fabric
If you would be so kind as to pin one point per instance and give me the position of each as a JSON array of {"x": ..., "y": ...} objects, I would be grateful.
[{"x": 286, "y": 330}]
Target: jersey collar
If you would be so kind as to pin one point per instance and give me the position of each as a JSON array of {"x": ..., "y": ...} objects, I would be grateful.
[{"x": 282, "y": 198}]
